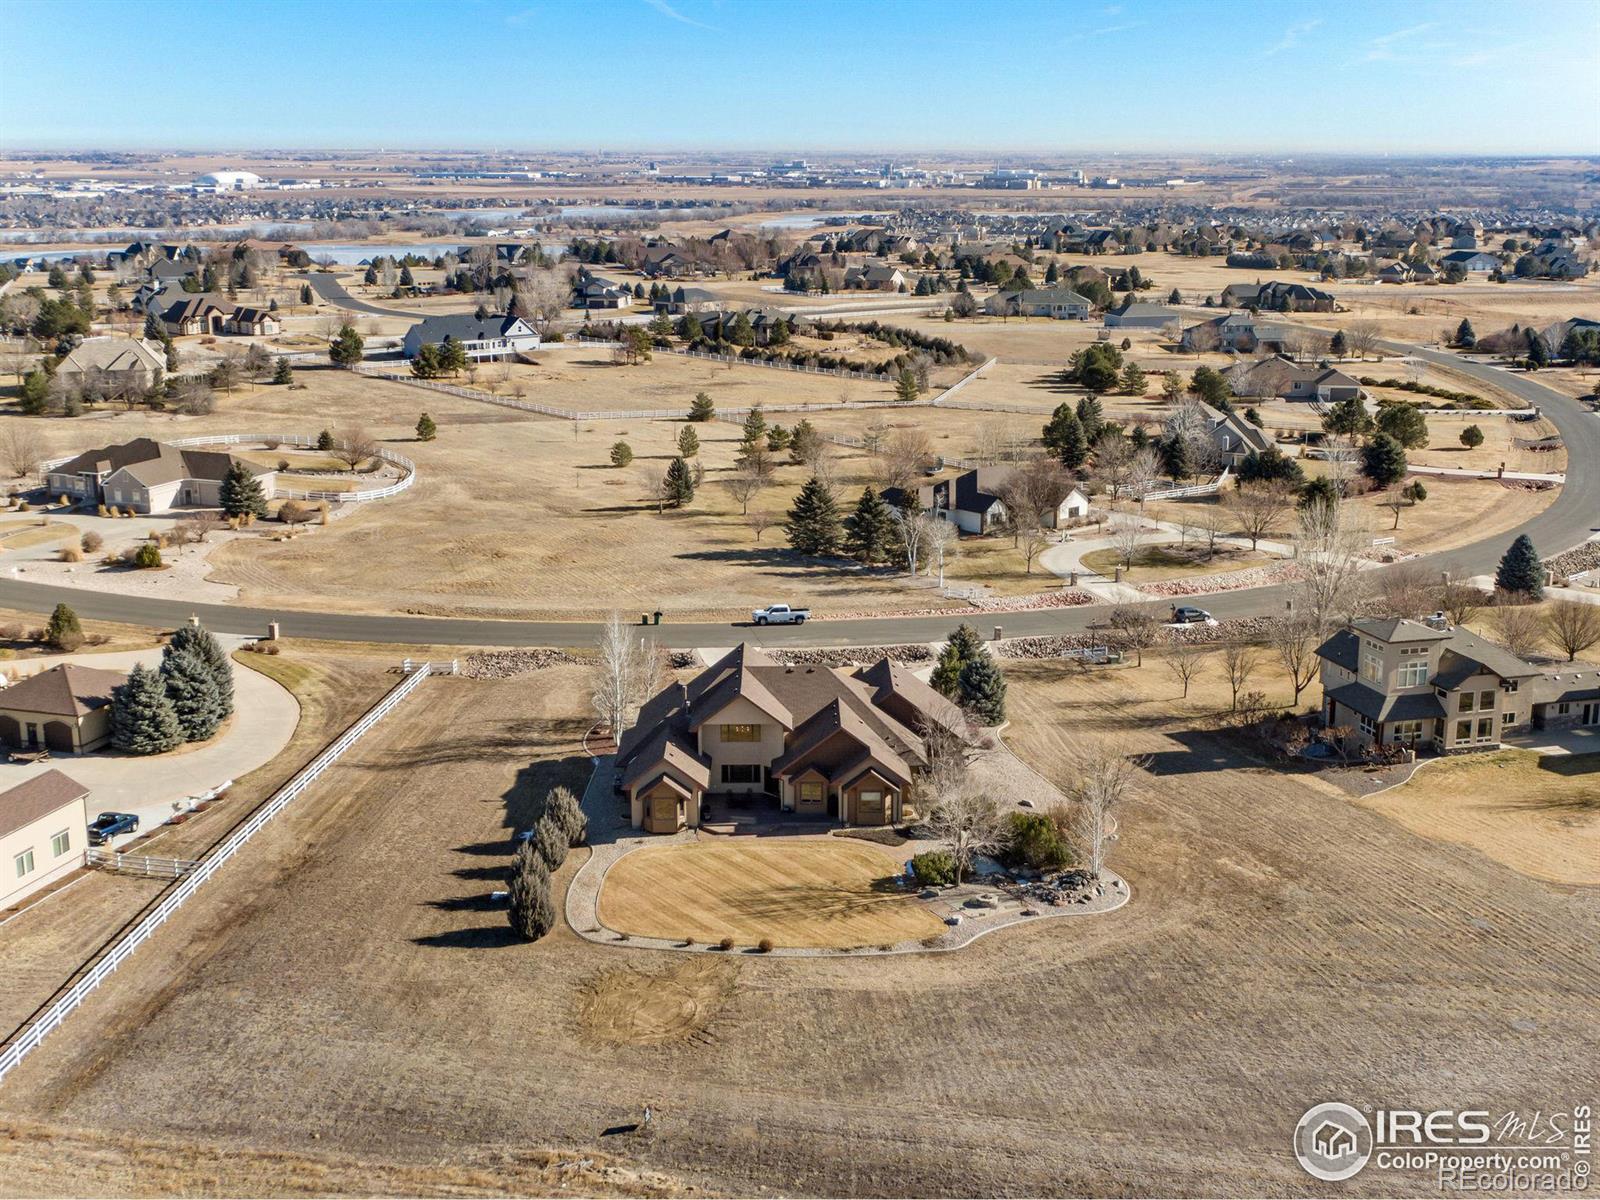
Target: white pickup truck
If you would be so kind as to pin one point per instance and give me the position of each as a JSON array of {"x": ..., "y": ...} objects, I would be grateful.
[{"x": 780, "y": 614}]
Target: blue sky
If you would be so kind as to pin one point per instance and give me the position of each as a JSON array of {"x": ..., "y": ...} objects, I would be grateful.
[{"x": 1431, "y": 76}]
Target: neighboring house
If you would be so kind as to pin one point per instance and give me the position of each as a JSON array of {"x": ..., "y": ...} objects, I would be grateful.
[
  {"x": 1555, "y": 335},
  {"x": 1063, "y": 304},
  {"x": 971, "y": 500},
  {"x": 682, "y": 300},
  {"x": 44, "y": 829},
  {"x": 1400, "y": 681},
  {"x": 495, "y": 336},
  {"x": 148, "y": 476},
  {"x": 1235, "y": 438},
  {"x": 823, "y": 742},
  {"x": 875, "y": 276},
  {"x": 1471, "y": 261},
  {"x": 1395, "y": 272},
  {"x": 192, "y": 313},
  {"x": 132, "y": 361},
  {"x": 592, "y": 291},
  {"x": 257, "y": 322},
  {"x": 1241, "y": 331},
  {"x": 1141, "y": 316},
  {"x": 66, "y": 710},
  {"x": 156, "y": 295},
  {"x": 1277, "y": 297},
  {"x": 1285, "y": 379}
]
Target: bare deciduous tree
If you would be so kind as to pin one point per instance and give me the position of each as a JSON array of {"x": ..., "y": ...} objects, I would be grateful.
[
  {"x": 1111, "y": 463},
  {"x": 1294, "y": 640},
  {"x": 1362, "y": 337},
  {"x": 1185, "y": 659},
  {"x": 624, "y": 676},
  {"x": 1136, "y": 626},
  {"x": 961, "y": 812},
  {"x": 1330, "y": 563},
  {"x": 1103, "y": 778},
  {"x": 1460, "y": 601},
  {"x": 1404, "y": 590},
  {"x": 1518, "y": 628},
  {"x": 916, "y": 531},
  {"x": 1239, "y": 662},
  {"x": 1572, "y": 626},
  {"x": 1259, "y": 509},
  {"x": 906, "y": 454},
  {"x": 353, "y": 445},
  {"x": 1127, "y": 535},
  {"x": 944, "y": 540},
  {"x": 745, "y": 486},
  {"x": 1213, "y": 522},
  {"x": 760, "y": 521},
  {"x": 23, "y": 449}
]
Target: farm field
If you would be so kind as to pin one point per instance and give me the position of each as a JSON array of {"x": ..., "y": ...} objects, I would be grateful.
[
  {"x": 1260, "y": 901},
  {"x": 799, "y": 892}
]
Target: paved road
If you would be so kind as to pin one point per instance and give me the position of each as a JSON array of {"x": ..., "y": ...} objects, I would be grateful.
[
  {"x": 1573, "y": 517},
  {"x": 330, "y": 289}
]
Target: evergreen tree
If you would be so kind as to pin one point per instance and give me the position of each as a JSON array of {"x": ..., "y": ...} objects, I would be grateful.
[
  {"x": 688, "y": 442},
  {"x": 550, "y": 840},
  {"x": 813, "y": 524},
  {"x": 779, "y": 438},
  {"x": 1338, "y": 345},
  {"x": 1210, "y": 386},
  {"x": 63, "y": 631},
  {"x": 154, "y": 330},
  {"x": 283, "y": 372},
  {"x": 1538, "y": 353},
  {"x": 306, "y": 296},
  {"x": 1318, "y": 491},
  {"x": 905, "y": 386},
  {"x": 1063, "y": 436},
  {"x": 1348, "y": 417},
  {"x": 680, "y": 483},
  {"x": 346, "y": 349},
  {"x": 192, "y": 689},
  {"x": 1466, "y": 338},
  {"x": 621, "y": 454},
  {"x": 964, "y": 644},
  {"x": 1175, "y": 457},
  {"x": 197, "y": 640},
  {"x": 869, "y": 530},
  {"x": 325, "y": 440},
  {"x": 1175, "y": 297},
  {"x": 1520, "y": 572},
  {"x": 241, "y": 493},
  {"x": 1472, "y": 437},
  {"x": 1091, "y": 416},
  {"x": 426, "y": 429},
  {"x": 755, "y": 427},
  {"x": 561, "y": 806},
  {"x": 1383, "y": 460},
  {"x": 1405, "y": 424},
  {"x": 702, "y": 408},
  {"x": 407, "y": 279},
  {"x": 1133, "y": 380},
  {"x": 983, "y": 689},
  {"x": 532, "y": 910},
  {"x": 371, "y": 276},
  {"x": 741, "y": 333},
  {"x": 142, "y": 718},
  {"x": 805, "y": 443},
  {"x": 35, "y": 392}
]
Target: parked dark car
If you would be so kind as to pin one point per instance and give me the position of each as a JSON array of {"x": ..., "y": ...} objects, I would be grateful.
[
  {"x": 1186, "y": 614},
  {"x": 111, "y": 824}
]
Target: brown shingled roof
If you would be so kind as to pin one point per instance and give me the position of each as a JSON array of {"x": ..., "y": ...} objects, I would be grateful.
[
  {"x": 67, "y": 690},
  {"x": 37, "y": 797}
]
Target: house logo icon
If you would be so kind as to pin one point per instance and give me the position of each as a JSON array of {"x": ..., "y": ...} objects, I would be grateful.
[{"x": 1333, "y": 1142}]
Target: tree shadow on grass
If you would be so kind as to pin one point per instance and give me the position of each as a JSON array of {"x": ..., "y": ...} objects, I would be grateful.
[
  {"x": 483, "y": 937},
  {"x": 1202, "y": 753},
  {"x": 481, "y": 902}
]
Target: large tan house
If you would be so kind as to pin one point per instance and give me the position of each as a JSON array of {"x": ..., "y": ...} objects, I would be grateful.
[
  {"x": 1426, "y": 684},
  {"x": 814, "y": 741},
  {"x": 133, "y": 361},
  {"x": 44, "y": 828},
  {"x": 66, "y": 710},
  {"x": 148, "y": 476}
]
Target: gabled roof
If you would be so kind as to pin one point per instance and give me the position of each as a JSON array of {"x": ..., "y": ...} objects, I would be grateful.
[
  {"x": 1400, "y": 629},
  {"x": 667, "y": 750},
  {"x": 1343, "y": 649},
  {"x": 739, "y": 684},
  {"x": 37, "y": 797},
  {"x": 67, "y": 690},
  {"x": 465, "y": 327},
  {"x": 834, "y": 719},
  {"x": 150, "y": 462},
  {"x": 889, "y": 679},
  {"x": 1375, "y": 705},
  {"x": 1466, "y": 655},
  {"x": 114, "y": 354},
  {"x": 191, "y": 307}
]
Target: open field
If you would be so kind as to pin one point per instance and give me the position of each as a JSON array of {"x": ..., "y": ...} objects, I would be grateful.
[
  {"x": 1158, "y": 562},
  {"x": 1261, "y": 902},
  {"x": 798, "y": 892},
  {"x": 1539, "y": 816}
]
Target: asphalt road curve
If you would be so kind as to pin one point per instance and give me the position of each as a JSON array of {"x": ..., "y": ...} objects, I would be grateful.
[
  {"x": 1570, "y": 520},
  {"x": 330, "y": 289}
]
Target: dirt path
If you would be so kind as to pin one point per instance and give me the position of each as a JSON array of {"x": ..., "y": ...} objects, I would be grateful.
[{"x": 350, "y": 986}]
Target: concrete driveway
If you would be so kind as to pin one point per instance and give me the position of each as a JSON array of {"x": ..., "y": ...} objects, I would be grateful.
[
  {"x": 1584, "y": 740},
  {"x": 154, "y": 788}
]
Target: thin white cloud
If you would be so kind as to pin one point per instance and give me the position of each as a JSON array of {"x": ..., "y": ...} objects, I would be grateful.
[
  {"x": 666, "y": 10},
  {"x": 1292, "y": 35},
  {"x": 1381, "y": 48}
]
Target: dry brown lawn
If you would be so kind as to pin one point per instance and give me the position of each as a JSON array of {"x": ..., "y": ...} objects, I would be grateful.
[
  {"x": 795, "y": 891},
  {"x": 348, "y": 992},
  {"x": 1538, "y": 815},
  {"x": 1154, "y": 563}
]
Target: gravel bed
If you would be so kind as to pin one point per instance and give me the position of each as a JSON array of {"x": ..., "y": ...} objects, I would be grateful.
[
  {"x": 1225, "y": 581},
  {"x": 1580, "y": 558},
  {"x": 505, "y": 664},
  {"x": 852, "y": 657}
]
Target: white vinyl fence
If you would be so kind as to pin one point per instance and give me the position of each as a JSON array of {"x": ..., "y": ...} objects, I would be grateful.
[
  {"x": 299, "y": 441},
  {"x": 34, "y": 1032}
]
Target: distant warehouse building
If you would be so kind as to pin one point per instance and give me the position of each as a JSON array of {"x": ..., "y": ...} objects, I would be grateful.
[
  {"x": 230, "y": 181},
  {"x": 1142, "y": 316}
]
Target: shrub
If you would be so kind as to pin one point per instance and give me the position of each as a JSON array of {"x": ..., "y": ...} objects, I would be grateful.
[
  {"x": 1037, "y": 843},
  {"x": 64, "y": 631},
  {"x": 725, "y": 944},
  {"x": 550, "y": 839},
  {"x": 147, "y": 556},
  {"x": 764, "y": 945},
  {"x": 294, "y": 512},
  {"x": 71, "y": 554},
  {"x": 532, "y": 910},
  {"x": 562, "y": 807},
  {"x": 91, "y": 542},
  {"x": 934, "y": 868},
  {"x": 24, "y": 506}
]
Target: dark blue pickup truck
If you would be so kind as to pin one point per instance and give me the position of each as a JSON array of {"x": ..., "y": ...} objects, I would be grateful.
[{"x": 111, "y": 824}]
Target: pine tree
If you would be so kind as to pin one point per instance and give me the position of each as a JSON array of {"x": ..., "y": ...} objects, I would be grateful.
[
  {"x": 621, "y": 454},
  {"x": 1063, "y": 436},
  {"x": 1175, "y": 457},
  {"x": 306, "y": 296},
  {"x": 1176, "y": 297},
  {"x": 550, "y": 840},
  {"x": 198, "y": 640},
  {"x": 755, "y": 427},
  {"x": 154, "y": 330},
  {"x": 241, "y": 493},
  {"x": 561, "y": 806},
  {"x": 963, "y": 646},
  {"x": 869, "y": 530},
  {"x": 283, "y": 373},
  {"x": 688, "y": 442},
  {"x": 1466, "y": 338},
  {"x": 325, "y": 440},
  {"x": 142, "y": 718},
  {"x": 1091, "y": 416},
  {"x": 1405, "y": 424},
  {"x": 813, "y": 524},
  {"x": 1520, "y": 572},
  {"x": 532, "y": 910},
  {"x": 1383, "y": 460},
  {"x": 679, "y": 483},
  {"x": 983, "y": 689},
  {"x": 1339, "y": 346},
  {"x": 346, "y": 349},
  {"x": 702, "y": 408},
  {"x": 426, "y": 429},
  {"x": 63, "y": 631},
  {"x": 192, "y": 689},
  {"x": 1133, "y": 380},
  {"x": 905, "y": 386},
  {"x": 1471, "y": 437}
]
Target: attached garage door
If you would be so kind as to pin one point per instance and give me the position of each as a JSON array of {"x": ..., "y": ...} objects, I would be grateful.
[
  {"x": 58, "y": 736},
  {"x": 663, "y": 814},
  {"x": 869, "y": 808},
  {"x": 10, "y": 731}
]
